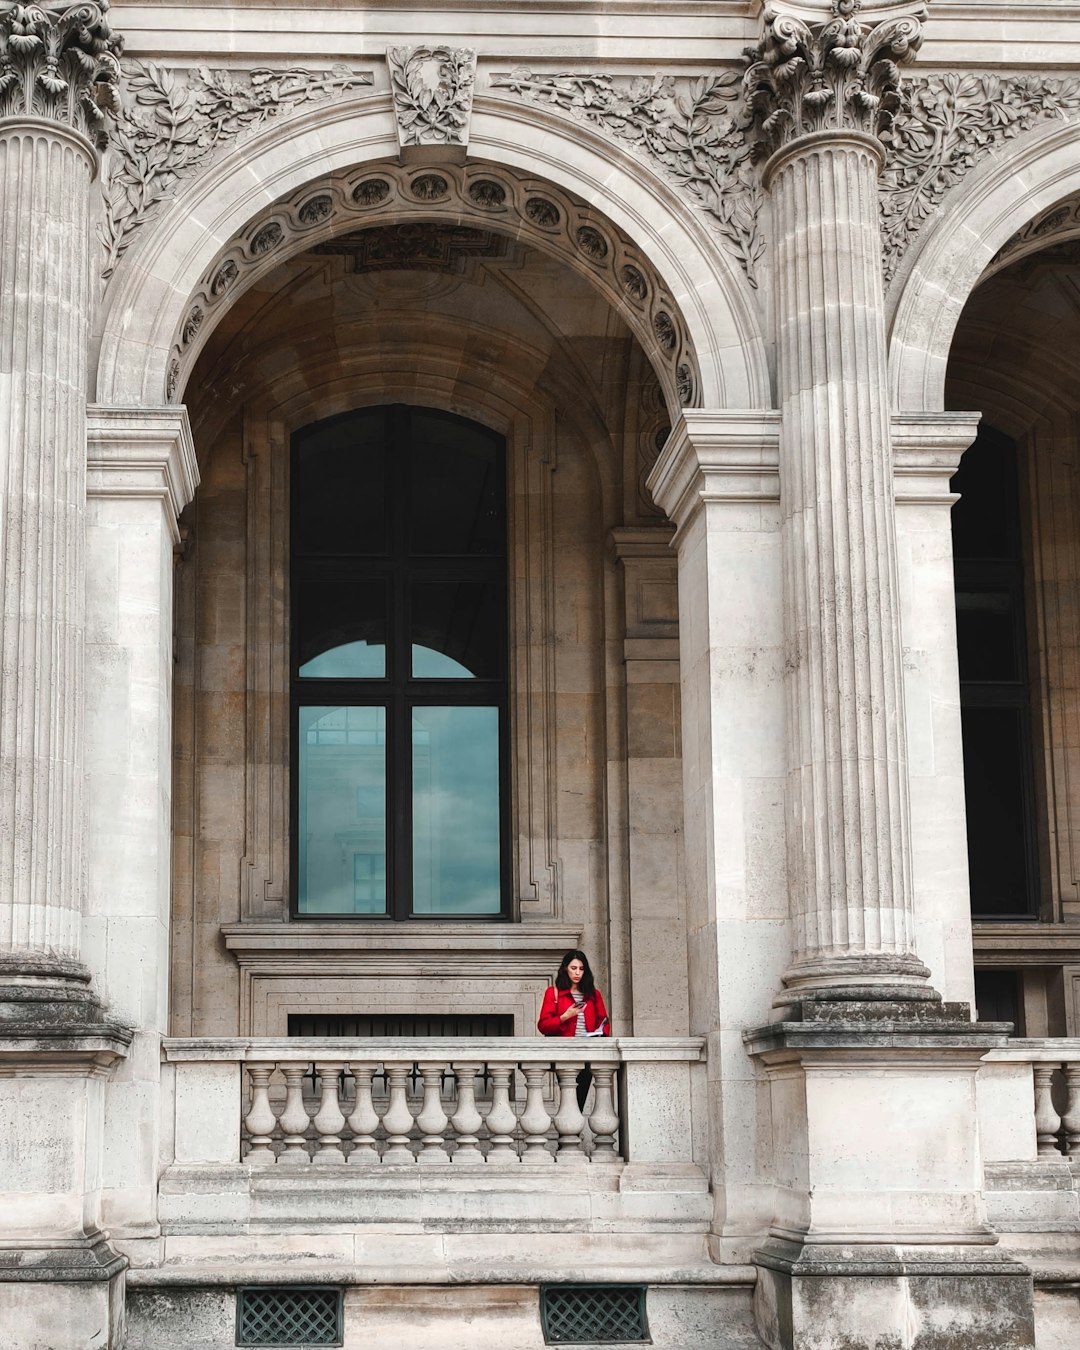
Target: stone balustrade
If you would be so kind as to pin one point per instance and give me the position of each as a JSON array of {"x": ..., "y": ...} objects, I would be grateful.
[
  {"x": 273, "y": 1103},
  {"x": 1029, "y": 1100}
]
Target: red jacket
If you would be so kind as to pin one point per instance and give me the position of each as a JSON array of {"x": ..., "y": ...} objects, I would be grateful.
[{"x": 556, "y": 1002}]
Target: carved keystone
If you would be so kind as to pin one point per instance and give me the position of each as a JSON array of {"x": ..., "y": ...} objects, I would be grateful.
[{"x": 432, "y": 88}]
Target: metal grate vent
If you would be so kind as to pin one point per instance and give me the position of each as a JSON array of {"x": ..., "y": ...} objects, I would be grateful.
[
  {"x": 577, "y": 1314},
  {"x": 294, "y": 1316}
]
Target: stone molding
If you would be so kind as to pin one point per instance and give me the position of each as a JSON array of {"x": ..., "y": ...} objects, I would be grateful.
[
  {"x": 717, "y": 456},
  {"x": 145, "y": 453},
  {"x": 927, "y": 448},
  {"x": 172, "y": 123},
  {"x": 1056, "y": 225},
  {"x": 841, "y": 75},
  {"x": 60, "y": 62},
  {"x": 486, "y": 195},
  {"x": 432, "y": 89}
]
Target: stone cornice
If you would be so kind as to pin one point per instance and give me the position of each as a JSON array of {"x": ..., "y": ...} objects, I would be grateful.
[
  {"x": 717, "y": 456},
  {"x": 60, "y": 62},
  {"x": 841, "y": 75},
  {"x": 143, "y": 453},
  {"x": 927, "y": 447}
]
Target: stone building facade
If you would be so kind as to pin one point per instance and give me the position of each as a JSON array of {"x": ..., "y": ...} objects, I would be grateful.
[{"x": 481, "y": 481}]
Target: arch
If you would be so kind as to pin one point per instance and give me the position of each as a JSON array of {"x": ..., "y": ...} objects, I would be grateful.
[
  {"x": 146, "y": 301},
  {"x": 978, "y": 218}
]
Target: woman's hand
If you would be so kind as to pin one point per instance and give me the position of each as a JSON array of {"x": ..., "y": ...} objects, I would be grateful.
[{"x": 572, "y": 1011}]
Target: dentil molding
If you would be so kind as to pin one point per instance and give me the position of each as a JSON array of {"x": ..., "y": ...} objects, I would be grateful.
[{"x": 61, "y": 62}]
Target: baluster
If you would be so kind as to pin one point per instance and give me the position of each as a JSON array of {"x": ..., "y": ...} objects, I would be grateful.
[
  {"x": 568, "y": 1119},
  {"x": 364, "y": 1120},
  {"x": 604, "y": 1120},
  {"x": 535, "y": 1121},
  {"x": 501, "y": 1121},
  {"x": 398, "y": 1119},
  {"x": 432, "y": 1118},
  {"x": 260, "y": 1120},
  {"x": 467, "y": 1120},
  {"x": 1071, "y": 1118},
  {"x": 329, "y": 1122},
  {"x": 1047, "y": 1120},
  {"x": 294, "y": 1120}
]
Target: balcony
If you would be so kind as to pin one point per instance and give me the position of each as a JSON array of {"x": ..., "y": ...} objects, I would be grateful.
[{"x": 391, "y": 1155}]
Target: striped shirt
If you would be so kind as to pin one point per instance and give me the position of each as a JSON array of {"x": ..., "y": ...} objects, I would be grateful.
[{"x": 579, "y": 999}]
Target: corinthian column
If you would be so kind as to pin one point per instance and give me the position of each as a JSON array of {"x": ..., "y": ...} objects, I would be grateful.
[
  {"x": 57, "y": 67},
  {"x": 822, "y": 95}
]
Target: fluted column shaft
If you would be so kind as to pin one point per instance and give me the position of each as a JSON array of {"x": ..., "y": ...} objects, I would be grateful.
[
  {"x": 847, "y": 806},
  {"x": 46, "y": 170}
]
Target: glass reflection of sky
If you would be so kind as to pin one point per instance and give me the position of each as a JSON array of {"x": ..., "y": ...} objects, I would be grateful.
[
  {"x": 428, "y": 664},
  {"x": 350, "y": 661}
]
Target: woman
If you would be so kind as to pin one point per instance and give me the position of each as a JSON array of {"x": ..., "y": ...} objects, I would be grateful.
[{"x": 573, "y": 1006}]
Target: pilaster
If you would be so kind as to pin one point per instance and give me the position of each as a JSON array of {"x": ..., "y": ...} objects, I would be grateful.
[
  {"x": 141, "y": 473},
  {"x": 717, "y": 479}
]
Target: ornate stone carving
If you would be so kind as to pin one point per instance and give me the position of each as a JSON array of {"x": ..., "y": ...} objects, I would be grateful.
[
  {"x": 415, "y": 246},
  {"x": 949, "y": 123},
  {"x": 432, "y": 88},
  {"x": 61, "y": 62},
  {"x": 173, "y": 123},
  {"x": 695, "y": 129},
  {"x": 837, "y": 76},
  {"x": 388, "y": 202}
]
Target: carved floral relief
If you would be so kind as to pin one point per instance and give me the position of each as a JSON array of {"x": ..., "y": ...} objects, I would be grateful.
[
  {"x": 695, "y": 129},
  {"x": 432, "y": 88},
  {"x": 172, "y": 123}
]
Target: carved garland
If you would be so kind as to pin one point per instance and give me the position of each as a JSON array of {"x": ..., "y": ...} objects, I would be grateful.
[
  {"x": 178, "y": 122},
  {"x": 539, "y": 214}
]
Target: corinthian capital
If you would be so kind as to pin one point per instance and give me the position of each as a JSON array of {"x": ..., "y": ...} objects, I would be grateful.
[
  {"x": 840, "y": 75},
  {"x": 59, "y": 61}
]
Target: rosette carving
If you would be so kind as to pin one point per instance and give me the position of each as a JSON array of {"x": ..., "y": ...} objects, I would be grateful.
[
  {"x": 60, "y": 62},
  {"x": 841, "y": 75}
]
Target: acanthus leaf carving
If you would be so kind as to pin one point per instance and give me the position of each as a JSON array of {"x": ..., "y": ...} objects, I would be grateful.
[
  {"x": 173, "y": 123},
  {"x": 841, "y": 75},
  {"x": 61, "y": 62},
  {"x": 949, "y": 123},
  {"x": 695, "y": 129},
  {"x": 432, "y": 89}
]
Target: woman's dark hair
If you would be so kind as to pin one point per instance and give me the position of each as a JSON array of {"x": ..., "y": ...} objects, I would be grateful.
[{"x": 586, "y": 984}]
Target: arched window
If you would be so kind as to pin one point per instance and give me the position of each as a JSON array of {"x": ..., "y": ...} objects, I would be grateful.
[
  {"x": 399, "y": 659},
  {"x": 995, "y": 694}
]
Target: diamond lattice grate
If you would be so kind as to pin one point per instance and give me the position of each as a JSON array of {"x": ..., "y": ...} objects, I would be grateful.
[
  {"x": 292, "y": 1317},
  {"x": 593, "y": 1313}
]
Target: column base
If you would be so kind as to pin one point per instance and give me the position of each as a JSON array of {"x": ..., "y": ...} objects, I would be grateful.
[
  {"x": 836, "y": 1297},
  {"x": 66, "y": 1297},
  {"x": 41, "y": 990},
  {"x": 863, "y": 977}
]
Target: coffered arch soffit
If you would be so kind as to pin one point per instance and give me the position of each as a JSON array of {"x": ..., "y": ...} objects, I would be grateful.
[
  {"x": 333, "y": 169},
  {"x": 994, "y": 205}
]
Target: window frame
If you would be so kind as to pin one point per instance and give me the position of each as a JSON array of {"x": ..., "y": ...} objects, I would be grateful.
[{"x": 398, "y": 691}]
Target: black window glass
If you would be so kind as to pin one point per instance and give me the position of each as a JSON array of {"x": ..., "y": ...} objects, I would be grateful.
[
  {"x": 339, "y": 468},
  {"x": 456, "y": 502},
  {"x": 455, "y": 630},
  {"x": 342, "y": 628},
  {"x": 995, "y": 699},
  {"x": 399, "y": 667}
]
